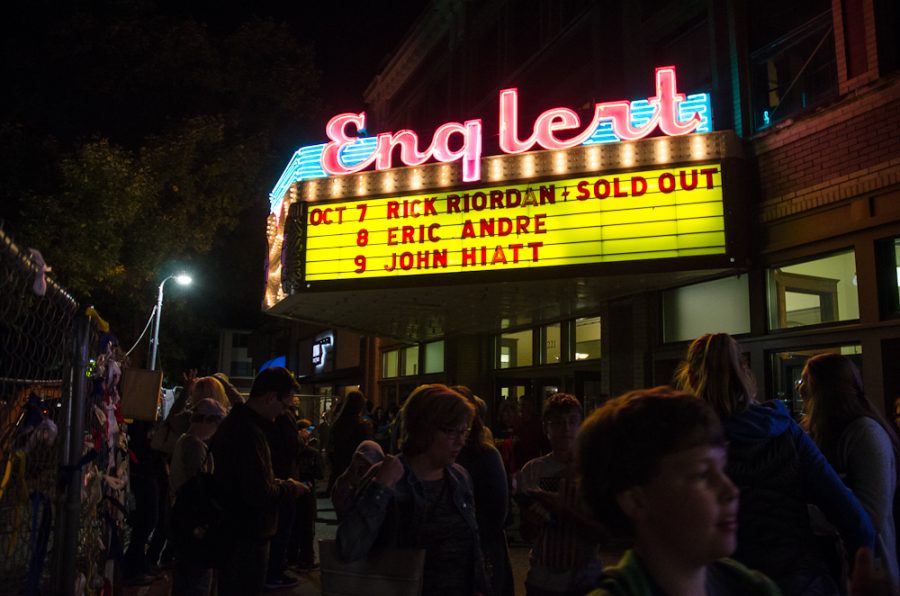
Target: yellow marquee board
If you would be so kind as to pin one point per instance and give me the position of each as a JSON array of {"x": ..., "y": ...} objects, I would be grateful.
[{"x": 651, "y": 214}]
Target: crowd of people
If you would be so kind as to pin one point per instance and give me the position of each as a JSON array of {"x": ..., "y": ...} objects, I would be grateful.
[{"x": 706, "y": 488}]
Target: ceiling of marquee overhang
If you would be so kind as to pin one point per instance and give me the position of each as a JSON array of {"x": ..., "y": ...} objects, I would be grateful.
[{"x": 423, "y": 313}]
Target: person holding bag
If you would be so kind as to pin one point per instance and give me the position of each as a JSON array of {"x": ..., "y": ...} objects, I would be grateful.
[{"x": 422, "y": 499}]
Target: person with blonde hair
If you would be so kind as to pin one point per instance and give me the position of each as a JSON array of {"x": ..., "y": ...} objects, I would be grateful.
[
  {"x": 779, "y": 471},
  {"x": 857, "y": 440},
  {"x": 208, "y": 388},
  {"x": 423, "y": 498}
]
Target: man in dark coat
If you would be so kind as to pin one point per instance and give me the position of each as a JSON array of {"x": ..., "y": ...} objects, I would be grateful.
[{"x": 244, "y": 479}]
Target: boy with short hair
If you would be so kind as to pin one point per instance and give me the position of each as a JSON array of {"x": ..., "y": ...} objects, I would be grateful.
[
  {"x": 652, "y": 463},
  {"x": 564, "y": 557}
]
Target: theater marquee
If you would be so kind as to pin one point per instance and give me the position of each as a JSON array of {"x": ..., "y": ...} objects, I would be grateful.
[{"x": 641, "y": 215}]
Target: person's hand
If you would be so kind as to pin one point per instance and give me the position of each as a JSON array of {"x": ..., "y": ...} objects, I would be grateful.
[
  {"x": 297, "y": 488},
  {"x": 390, "y": 472},
  {"x": 866, "y": 580}
]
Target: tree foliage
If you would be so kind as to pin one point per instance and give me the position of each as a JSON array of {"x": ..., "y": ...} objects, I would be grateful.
[{"x": 137, "y": 142}]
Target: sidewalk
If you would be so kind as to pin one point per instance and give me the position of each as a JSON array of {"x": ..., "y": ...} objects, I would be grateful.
[{"x": 310, "y": 584}]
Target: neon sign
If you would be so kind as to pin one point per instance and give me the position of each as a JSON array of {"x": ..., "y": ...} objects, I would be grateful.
[
  {"x": 670, "y": 112},
  {"x": 648, "y": 214}
]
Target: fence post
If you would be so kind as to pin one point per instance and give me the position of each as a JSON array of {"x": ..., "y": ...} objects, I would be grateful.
[{"x": 68, "y": 521}]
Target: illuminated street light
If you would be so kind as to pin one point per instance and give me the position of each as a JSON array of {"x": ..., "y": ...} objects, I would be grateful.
[{"x": 181, "y": 279}]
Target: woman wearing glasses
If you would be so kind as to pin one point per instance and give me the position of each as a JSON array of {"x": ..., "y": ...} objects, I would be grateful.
[{"x": 422, "y": 498}]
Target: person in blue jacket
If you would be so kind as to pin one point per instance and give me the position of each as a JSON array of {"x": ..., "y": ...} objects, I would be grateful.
[{"x": 779, "y": 471}]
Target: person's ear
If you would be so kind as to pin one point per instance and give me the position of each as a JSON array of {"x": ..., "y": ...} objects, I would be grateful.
[{"x": 632, "y": 502}]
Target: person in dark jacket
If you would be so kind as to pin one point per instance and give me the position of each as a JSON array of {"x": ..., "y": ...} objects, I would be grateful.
[
  {"x": 284, "y": 445},
  {"x": 779, "y": 470},
  {"x": 245, "y": 480},
  {"x": 348, "y": 431},
  {"x": 483, "y": 463}
]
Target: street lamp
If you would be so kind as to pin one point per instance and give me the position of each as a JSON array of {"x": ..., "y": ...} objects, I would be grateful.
[{"x": 181, "y": 279}]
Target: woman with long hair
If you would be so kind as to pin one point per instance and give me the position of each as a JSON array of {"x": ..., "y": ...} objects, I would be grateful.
[
  {"x": 858, "y": 442},
  {"x": 778, "y": 469}
]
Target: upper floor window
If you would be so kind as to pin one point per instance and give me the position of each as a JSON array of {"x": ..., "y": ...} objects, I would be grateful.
[{"x": 792, "y": 59}]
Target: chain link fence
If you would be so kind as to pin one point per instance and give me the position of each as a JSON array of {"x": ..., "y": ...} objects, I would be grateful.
[{"x": 61, "y": 496}]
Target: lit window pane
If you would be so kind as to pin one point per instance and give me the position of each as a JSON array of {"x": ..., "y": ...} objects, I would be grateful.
[
  {"x": 516, "y": 349},
  {"x": 434, "y": 357},
  {"x": 816, "y": 291},
  {"x": 552, "y": 348},
  {"x": 718, "y": 306},
  {"x": 411, "y": 361},
  {"x": 587, "y": 338},
  {"x": 389, "y": 361}
]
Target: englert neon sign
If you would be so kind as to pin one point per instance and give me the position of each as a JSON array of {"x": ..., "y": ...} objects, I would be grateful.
[{"x": 557, "y": 128}]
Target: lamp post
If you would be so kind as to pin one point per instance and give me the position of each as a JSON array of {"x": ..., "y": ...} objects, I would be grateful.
[{"x": 181, "y": 279}]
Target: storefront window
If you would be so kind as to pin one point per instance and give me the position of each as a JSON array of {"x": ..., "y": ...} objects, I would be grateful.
[
  {"x": 389, "y": 364},
  {"x": 434, "y": 357},
  {"x": 515, "y": 349},
  {"x": 787, "y": 367},
  {"x": 817, "y": 291},
  {"x": 587, "y": 338},
  {"x": 887, "y": 255},
  {"x": 411, "y": 361},
  {"x": 551, "y": 345},
  {"x": 689, "y": 311}
]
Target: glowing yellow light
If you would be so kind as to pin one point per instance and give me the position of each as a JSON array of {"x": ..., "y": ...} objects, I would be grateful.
[
  {"x": 662, "y": 151},
  {"x": 559, "y": 162},
  {"x": 648, "y": 214},
  {"x": 527, "y": 165},
  {"x": 445, "y": 175},
  {"x": 594, "y": 157},
  {"x": 698, "y": 147},
  {"x": 337, "y": 186},
  {"x": 387, "y": 182},
  {"x": 415, "y": 179},
  {"x": 626, "y": 154},
  {"x": 496, "y": 169}
]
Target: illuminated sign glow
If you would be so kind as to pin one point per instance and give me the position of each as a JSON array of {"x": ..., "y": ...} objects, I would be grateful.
[
  {"x": 670, "y": 112},
  {"x": 651, "y": 214}
]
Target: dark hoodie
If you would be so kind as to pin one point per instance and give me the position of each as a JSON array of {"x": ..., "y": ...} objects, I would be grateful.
[{"x": 779, "y": 470}]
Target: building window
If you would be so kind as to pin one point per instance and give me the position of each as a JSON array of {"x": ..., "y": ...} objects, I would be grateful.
[
  {"x": 411, "y": 361},
  {"x": 817, "y": 291},
  {"x": 887, "y": 254},
  {"x": 587, "y": 338},
  {"x": 241, "y": 368},
  {"x": 787, "y": 367},
  {"x": 516, "y": 349},
  {"x": 434, "y": 357},
  {"x": 551, "y": 344},
  {"x": 390, "y": 364},
  {"x": 792, "y": 61},
  {"x": 240, "y": 340},
  {"x": 689, "y": 311}
]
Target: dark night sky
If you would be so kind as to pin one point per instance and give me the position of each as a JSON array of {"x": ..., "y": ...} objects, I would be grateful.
[{"x": 351, "y": 40}]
